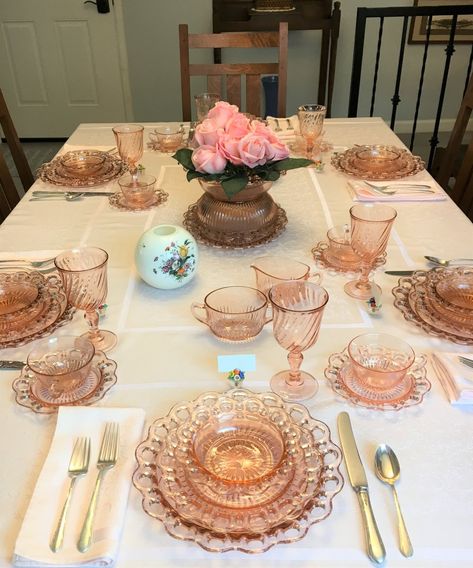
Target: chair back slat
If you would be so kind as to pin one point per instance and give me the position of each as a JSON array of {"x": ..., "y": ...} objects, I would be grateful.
[{"x": 233, "y": 71}]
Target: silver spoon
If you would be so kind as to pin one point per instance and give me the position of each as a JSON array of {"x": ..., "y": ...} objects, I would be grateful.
[
  {"x": 67, "y": 196},
  {"x": 452, "y": 262},
  {"x": 388, "y": 470}
]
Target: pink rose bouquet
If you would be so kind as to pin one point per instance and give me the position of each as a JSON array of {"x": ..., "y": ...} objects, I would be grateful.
[{"x": 235, "y": 150}]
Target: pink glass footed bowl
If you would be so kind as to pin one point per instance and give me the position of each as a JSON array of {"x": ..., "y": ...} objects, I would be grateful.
[
  {"x": 380, "y": 361},
  {"x": 61, "y": 364}
]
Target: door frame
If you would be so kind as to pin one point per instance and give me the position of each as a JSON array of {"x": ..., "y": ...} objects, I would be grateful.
[{"x": 117, "y": 11}]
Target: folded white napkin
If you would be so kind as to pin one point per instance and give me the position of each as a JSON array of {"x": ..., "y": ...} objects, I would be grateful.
[
  {"x": 362, "y": 192},
  {"x": 32, "y": 545},
  {"x": 286, "y": 129},
  {"x": 455, "y": 377}
]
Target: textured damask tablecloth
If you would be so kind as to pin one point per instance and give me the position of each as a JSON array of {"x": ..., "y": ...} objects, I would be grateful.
[{"x": 164, "y": 355}]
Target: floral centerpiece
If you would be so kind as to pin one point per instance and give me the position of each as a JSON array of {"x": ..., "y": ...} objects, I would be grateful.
[{"x": 234, "y": 150}]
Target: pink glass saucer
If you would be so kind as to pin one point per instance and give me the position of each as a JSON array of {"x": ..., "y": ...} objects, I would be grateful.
[
  {"x": 31, "y": 394},
  {"x": 409, "y": 392},
  {"x": 324, "y": 259},
  {"x": 117, "y": 201},
  {"x": 154, "y": 504}
]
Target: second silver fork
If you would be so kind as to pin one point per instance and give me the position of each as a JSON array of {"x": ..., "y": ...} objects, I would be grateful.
[{"x": 108, "y": 457}]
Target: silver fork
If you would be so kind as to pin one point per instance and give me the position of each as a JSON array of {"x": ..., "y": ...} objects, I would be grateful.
[
  {"x": 108, "y": 457},
  {"x": 465, "y": 361},
  {"x": 32, "y": 263},
  {"x": 78, "y": 466},
  {"x": 391, "y": 187}
]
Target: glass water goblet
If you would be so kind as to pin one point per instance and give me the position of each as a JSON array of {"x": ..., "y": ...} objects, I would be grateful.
[
  {"x": 370, "y": 228},
  {"x": 311, "y": 123},
  {"x": 129, "y": 140},
  {"x": 84, "y": 276},
  {"x": 203, "y": 103},
  {"x": 298, "y": 307}
]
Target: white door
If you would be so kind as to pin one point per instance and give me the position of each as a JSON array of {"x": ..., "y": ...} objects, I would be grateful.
[{"x": 62, "y": 63}]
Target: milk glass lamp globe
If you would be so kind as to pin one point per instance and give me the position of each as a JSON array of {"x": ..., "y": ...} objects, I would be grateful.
[{"x": 166, "y": 257}]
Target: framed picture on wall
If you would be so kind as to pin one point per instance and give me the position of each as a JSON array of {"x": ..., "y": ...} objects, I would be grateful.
[{"x": 441, "y": 25}]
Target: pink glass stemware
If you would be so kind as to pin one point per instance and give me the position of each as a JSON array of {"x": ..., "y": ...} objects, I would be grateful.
[
  {"x": 370, "y": 229},
  {"x": 84, "y": 276},
  {"x": 129, "y": 139},
  {"x": 298, "y": 307},
  {"x": 311, "y": 122}
]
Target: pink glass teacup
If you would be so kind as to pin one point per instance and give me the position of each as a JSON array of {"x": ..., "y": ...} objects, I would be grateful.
[
  {"x": 61, "y": 364},
  {"x": 169, "y": 137},
  {"x": 233, "y": 313},
  {"x": 137, "y": 189},
  {"x": 380, "y": 361},
  {"x": 272, "y": 270}
]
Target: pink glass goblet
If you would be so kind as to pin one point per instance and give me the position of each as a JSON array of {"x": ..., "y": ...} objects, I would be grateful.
[
  {"x": 84, "y": 276},
  {"x": 311, "y": 122},
  {"x": 298, "y": 307},
  {"x": 370, "y": 228},
  {"x": 129, "y": 139}
]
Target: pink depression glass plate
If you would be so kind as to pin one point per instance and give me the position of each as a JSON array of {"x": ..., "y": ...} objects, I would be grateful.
[
  {"x": 349, "y": 163},
  {"x": 145, "y": 477},
  {"x": 20, "y": 298},
  {"x": 324, "y": 259},
  {"x": 31, "y": 394},
  {"x": 345, "y": 383},
  {"x": 234, "y": 240},
  {"x": 117, "y": 201},
  {"x": 54, "y": 313},
  {"x": 409, "y": 302},
  {"x": 54, "y": 172}
]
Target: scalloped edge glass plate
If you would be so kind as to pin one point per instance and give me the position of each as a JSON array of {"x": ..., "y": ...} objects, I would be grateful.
[
  {"x": 401, "y": 294},
  {"x": 322, "y": 261},
  {"x": 52, "y": 172},
  {"x": 410, "y": 393},
  {"x": 117, "y": 201},
  {"x": 27, "y": 396},
  {"x": 57, "y": 315},
  {"x": 318, "y": 508},
  {"x": 341, "y": 161}
]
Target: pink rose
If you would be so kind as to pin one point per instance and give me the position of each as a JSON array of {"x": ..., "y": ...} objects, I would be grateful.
[
  {"x": 253, "y": 150},
  {"x": 208, "y": 160},
  {"x": 277, "y": 151},
  {"x": 207, "y": 133},
  {"x": 238, "y": 126},
  {"x": 221, "y": 113},
  {"x": 228, "y": 146}
]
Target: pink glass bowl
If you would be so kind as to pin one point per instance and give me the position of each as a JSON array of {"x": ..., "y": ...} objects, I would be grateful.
[
  {"x": 380, "y": 361},
  {"x": 16, "y": 293},
  {"x": 61, "y": 364},
  {"x": 375, "y": 158},
  {"x": 457, "y": 291},
  {"x": 82, "y": 163}
]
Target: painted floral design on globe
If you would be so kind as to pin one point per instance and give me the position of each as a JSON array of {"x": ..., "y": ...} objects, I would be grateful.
[{"x": 178, "y": 261}]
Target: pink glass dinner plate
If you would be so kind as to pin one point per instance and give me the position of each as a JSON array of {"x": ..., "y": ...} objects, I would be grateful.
[
  {"x": 325, "y": 259},
  {"x": 409, "y": 392},
  {"x": 410, "y": 298},
  {"x": 145, "y": 477},
  {"x": 54, "y": 312},
  {"x": 349, "y": 162},
  {"x": 31, "y": 394},
  {"x": 54, "y": 172},
  {"x": 117, "y": 201}
]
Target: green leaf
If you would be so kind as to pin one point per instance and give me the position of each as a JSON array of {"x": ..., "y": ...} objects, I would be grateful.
[
  {"x": 291, "y": 164},
  {"x": 232, "y": 186},
  {"x": 193, "y": 174},
  {"x": 183, "y": 156},
  {"x": 273, "y": 175}
]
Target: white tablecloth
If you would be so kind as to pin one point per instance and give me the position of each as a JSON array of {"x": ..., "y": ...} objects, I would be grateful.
[{"x": 165, "y": 356}]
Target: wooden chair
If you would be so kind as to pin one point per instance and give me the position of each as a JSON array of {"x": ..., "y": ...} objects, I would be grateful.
[
  {"x": 233, "y": 72},
  {"x": 462, "y": 190},
  {"x": 9, "y": 196}
]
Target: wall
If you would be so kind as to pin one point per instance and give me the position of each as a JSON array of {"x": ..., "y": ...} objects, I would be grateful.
[{"x": 153, "y": 50}]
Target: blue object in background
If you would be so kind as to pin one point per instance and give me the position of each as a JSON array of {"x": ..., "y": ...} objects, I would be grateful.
[{"x": 270, "y": 86}]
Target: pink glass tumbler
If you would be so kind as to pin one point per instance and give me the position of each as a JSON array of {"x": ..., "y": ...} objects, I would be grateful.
[{"x": 298, "y": 307}]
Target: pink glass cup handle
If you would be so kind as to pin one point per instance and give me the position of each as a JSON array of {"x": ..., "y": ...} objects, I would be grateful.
[
  {"x": 315, "y": 277},
  {"x": 199, "y": 306}
]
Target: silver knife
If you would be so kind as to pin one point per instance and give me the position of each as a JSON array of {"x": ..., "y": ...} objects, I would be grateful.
[
  {"x": 356, "y": 473},
  {"x": 52, "y": 193},
  {"x": 400, "y": 272},
  {"x": 11, "y": 365}
]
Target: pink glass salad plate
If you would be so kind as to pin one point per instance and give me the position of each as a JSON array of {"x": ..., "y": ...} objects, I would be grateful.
[{"x": 202, "y": 481}]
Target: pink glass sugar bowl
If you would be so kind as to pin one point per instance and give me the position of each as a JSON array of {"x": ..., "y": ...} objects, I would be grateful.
[
  {"x": 380, "y": 361},
  {"x": 61, "y": 364},
  {"x": 271, "y": 270},
  {"x": 234, "y": 314}
]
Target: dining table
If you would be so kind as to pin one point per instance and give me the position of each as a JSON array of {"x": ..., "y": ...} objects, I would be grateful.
[{"x": 165, "y": 356}]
